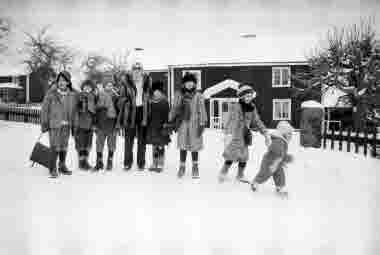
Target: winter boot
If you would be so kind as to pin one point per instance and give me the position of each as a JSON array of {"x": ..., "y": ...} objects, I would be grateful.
[
  {"x": 62, "y": 168},
  {"x": 83, "y": 163},
  {"x": 240, "y": 176},
  {"x": 80, "y": 160},
  {"x": 281, "y": 192},
  {"x": 223, "y": 173},
  {"x": 86, "y": 165},
  {"x": 53, "y": 165},
  {"x": 254, "y": 186},
  {"x": 195, "y": 171},
  {"x": 127, "y": 167},
  {"x": 99, "y": 162},
  {"x": 161, "y": 160},
  {"x": 154, "y": 165},
  {"x": 109, "y": 161},
  {"x": 181, "y": 171}
]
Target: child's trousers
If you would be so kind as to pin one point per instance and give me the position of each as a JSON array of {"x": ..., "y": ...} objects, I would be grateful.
[
  {"x": 278, "y": 177},
  {"x": 158, "y": 154},
  {"x": 269, "y": 164},
  {"x": 101, "y": 137},
  {"x": 83, "y": 139}
]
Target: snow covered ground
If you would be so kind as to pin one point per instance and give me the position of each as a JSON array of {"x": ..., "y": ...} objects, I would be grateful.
[{"x": 333, "y": 206}]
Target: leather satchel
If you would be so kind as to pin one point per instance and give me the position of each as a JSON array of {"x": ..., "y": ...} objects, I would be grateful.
[
  {"x": 41, "y": 154},
  {"x": 247, "y": 136}
]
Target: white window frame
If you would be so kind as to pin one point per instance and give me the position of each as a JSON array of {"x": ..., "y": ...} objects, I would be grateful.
[
  {"x": 286, "y": 100},
  {"x": 280, "y": 69},
  {"x": 198, "y": 74}
]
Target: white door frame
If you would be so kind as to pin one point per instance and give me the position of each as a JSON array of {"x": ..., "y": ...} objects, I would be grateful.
[{"x": 216, "y": 122}]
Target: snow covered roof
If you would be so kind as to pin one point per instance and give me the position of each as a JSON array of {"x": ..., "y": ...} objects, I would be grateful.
[
  {"x": 12, "y": 70},
  {"x": 10, "y": 85},
  {"x": 228, "y": 83},
  {"x": 255, "y": 63},
  {"x": 311, "y": 104},
  {"x": 330, "y": 97}
]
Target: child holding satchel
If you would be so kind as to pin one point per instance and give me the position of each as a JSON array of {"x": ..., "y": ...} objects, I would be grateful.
[
  {"x": 157, "y": 134},
  {"x": 57, "y": 117},
  {"x": 275, "y": 159},
  {"x": 106, "y": 128},
  {"x": 238, "y": 137}
]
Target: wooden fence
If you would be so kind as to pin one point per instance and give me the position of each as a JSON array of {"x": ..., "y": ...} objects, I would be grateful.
[
  {"x": 20, "y": 113},
  {"x": 351, "y": 140}
]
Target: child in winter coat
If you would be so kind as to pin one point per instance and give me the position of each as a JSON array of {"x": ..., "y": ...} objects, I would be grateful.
[
  {"x": 57, "y": 117},
  {"x": 238, "y": 137},
  {"x": 275, "y": 159},
  {"x": 106, "y": 117},
  {"x": 189, "y": 113},
  {"x": 84, "y": 123},
  {"x": 157, "y": 135}
]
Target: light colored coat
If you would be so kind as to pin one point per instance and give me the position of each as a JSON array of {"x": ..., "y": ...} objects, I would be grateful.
[
  {"x": 187, "y": 134},
  {"x": 236, "y": 150},
  {"x": 57, "y": 110}
]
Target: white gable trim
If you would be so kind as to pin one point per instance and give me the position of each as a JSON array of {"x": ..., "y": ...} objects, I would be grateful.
[{"x": 228, "y": 83}]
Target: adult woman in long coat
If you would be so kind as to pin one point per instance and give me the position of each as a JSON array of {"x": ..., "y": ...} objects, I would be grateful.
[
  {"x": 238, "y": 137},
  {"x": 189, "y": 112},
  {"x": 57, "y": 118}
]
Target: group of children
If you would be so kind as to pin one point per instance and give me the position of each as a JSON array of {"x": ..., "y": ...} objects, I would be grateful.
[{"x": 97, "y": 111}]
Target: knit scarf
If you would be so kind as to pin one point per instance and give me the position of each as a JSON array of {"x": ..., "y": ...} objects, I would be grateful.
[
  {"x": 246, "y": 107},
  {"x": 186, "y": 104}
]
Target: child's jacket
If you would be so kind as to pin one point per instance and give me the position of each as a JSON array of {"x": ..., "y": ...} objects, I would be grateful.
[{"x": 158, "y": 113}]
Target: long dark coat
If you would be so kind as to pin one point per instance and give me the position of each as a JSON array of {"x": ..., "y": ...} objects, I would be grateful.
[
  {"x": 158, "y": 116},
  {"x": 127, "y": 102}
]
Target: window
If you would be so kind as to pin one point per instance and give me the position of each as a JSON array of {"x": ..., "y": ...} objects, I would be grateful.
[
  {"x": 197, "y": 74},
  {"x": 282, "y": 109},
  {"x": 16, "y": 80},
  {"x": 281, "y": 76}
]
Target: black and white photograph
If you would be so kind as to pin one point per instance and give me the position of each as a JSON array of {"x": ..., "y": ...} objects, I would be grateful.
[{"x": 189, "y": 127}]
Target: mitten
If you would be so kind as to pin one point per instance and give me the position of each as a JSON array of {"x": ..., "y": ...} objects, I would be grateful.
[
  {"x": 268, "y": 140},
  {"x": 227, "y": 140},
  {"x": 288, "y": 158},
  {"x": 74, "y": 131},
  {"x": 201, "y": 130},
  {"x": 44, "y": 127}
]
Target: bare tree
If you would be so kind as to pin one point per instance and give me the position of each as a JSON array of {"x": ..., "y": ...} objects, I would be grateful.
[
  {"x": 44, "y": 51},
  {"x": 44, "y": 56},
  {"x": 118, "y": 62},
  {"x": 94, "y": 66}
]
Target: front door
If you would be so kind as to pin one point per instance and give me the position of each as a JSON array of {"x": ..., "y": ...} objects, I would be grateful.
[{"x": 219, "y": 110}]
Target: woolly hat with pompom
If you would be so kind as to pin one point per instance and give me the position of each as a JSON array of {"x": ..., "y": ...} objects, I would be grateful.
[{"x": 284, "y": 128}]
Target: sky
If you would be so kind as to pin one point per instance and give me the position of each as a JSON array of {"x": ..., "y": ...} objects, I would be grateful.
[{"x": 187, "y": 31}]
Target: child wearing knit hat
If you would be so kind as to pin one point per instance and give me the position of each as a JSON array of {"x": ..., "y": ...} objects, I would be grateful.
[
  {"x": 242, "y": 118},
  {"x": 275, "y": 159},
  {"x": 157, "y": 135},
  {"x": 84, "y": 121}
]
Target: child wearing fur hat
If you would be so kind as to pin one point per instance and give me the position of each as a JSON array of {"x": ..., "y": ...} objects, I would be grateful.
[
  {"x": 106, "y": 116},
  {"x": 242, "y": 117},
  {"x": 189, "y": 114},
  {"x": 84, "y": 123},
  {"x": 157, "y": 135},
  {"x": 57, "y": 117},
  {"x": 275, "y": 159}
]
